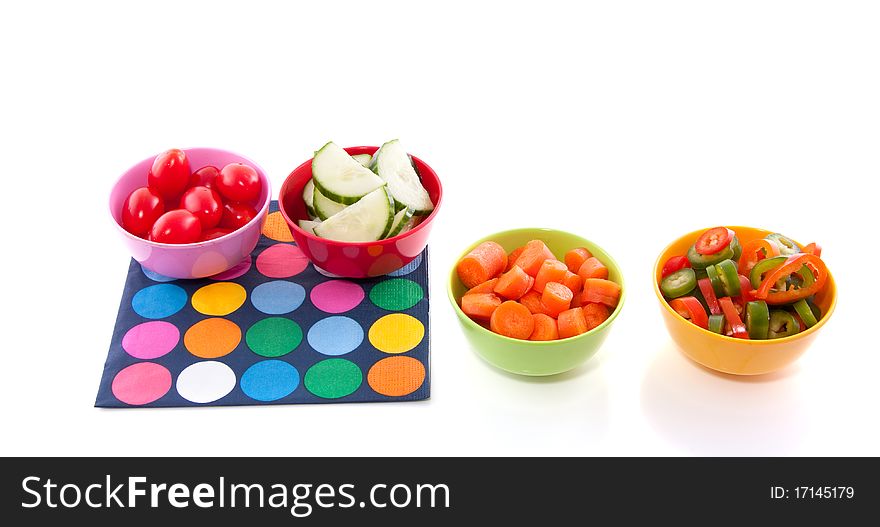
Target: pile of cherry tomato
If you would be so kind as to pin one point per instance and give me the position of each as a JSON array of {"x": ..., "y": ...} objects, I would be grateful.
[
  {"x": 763, "y": 289},
  {"x": 181, "y": 206}
]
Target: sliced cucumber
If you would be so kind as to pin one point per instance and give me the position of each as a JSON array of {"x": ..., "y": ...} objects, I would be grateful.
[
  {"x": 324, "y": 208},
  {"x": 308, "y": 226},
  {"x": 363, "y": 159},
  {"x": 401, "y": 220},
  {"x": 340, "y": 177},
  {"x": 365, "y": 221},
  {"x": 394, "y": 166},
  {"x": 308, "y": 191}
]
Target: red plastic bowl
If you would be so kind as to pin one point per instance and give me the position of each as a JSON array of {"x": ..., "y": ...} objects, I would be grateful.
[{"x": 357, "y": 259}]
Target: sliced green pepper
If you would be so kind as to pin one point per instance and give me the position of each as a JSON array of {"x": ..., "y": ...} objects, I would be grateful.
[
  {"x": 787, "y": 247},
  {"x": 817, "y": 311},
  {"x": 716, "y": 323},
  {"x": 763, "y": 267},
  {"x": 803, "y": 310},
  {"x": 679, "y": 283},
  {"x": 758, "y": 319},
  {"x": 737, "y": 248},
  {"x": 782, "y": 324},
  {"x": 715, "y": 279},
  {"x": 702, "y": 261},
  {"x": 729, "y": 278}
]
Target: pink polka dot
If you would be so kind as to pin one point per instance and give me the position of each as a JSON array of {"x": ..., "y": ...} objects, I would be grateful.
[
  {"x": 282, "y": 261},
  {"x": 351, "y": 252},
  {"x": 240, "y": 269},
  {"x": 337, "y": 296},
  {"x": 141, "y": 383},
  {"x": 150, "y": 340}
]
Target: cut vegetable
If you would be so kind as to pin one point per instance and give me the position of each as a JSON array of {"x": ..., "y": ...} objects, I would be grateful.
[
  {"x": 534, "y": 254},
  {"x": 486, "y": 287},
  {"x": 393, "y": 165},
  {"x": 595, "y": 315},
  {"x": 576, "y": 257},
  {"x": 514, "y": 283},
  {"x": 480, "y": 305},
  {"x": 556, "y": 298},
  {"x": 308, "y": 192},
  {"x": 545, "y": 328},
  {"x": 363, "y": 159},
  {"x": 782, "y": 324},
  {"x": 592, "y": 268},
  {"x": 365, "y": 221},
  {"x": 691, "y": 309},
  {"x": 325, "y": 207},
  {"x": 802, "y": 308},
  {"x": 401, "y": 222},
  {"x": 308, "y": 226},
  {"x": 572, "y": 323},
  {"x": 716, "y": 323},
  {"x": 550, "y": 271},
  {"x": 758, "y": 319},
  {"x": 513, "y": 320},
  {"x": 484, "y": 262},
  {"x": 679, "y": 283},
  {"x": 700, "y": 261},
  {"x": 340, "y": 178},
  {"x": 601, "y": 291}
]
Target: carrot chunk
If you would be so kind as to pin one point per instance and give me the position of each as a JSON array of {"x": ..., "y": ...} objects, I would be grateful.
[
  {"x": 532, "y": 301},
  {"x": 514, "y": 254},
  {"x": 480, "y": 305},
  {"x": 551, "y": 270},
  {"x": 514, "y": 283},
  {"x": 576, "y": 301},
  {"x": 571, "y": 323},
  {"x": 533, "y": 256},
  {"x": 486, "y": 287},
  {"x": 573, "y": 282},
  {"x": 576, "y": 257},
  {"x": 513, "y": 320},
  {"x": 597, "y": 290},
  {"x": 556, "y": 298},
  {"x": 484, "y": 262},
  {"x": 595, "y": 314},
  {"x": 592, "y": 268},
  {"x": 545, "y": 328}
]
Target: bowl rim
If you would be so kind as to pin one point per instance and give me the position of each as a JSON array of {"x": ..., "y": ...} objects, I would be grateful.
[
  {"x": 295, "y": 225},
  {"x": 264, "y": 179},
  {"x": 658, "y": 264},
  {"x": 453, "y": 276}
]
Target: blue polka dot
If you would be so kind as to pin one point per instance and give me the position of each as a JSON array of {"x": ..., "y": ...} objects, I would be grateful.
[
  {"x": 269, "y": 380},
  {"x": 278, "y": 297},
  {"x": 159, "y": 301},
  {"x": 156, "y": 277},
  {"x": 408, "y": 268},
  {"x": 335, "y": 336}
]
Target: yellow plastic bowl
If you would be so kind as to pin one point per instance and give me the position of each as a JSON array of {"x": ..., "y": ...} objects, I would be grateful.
[{"x": 727, "y": 354}]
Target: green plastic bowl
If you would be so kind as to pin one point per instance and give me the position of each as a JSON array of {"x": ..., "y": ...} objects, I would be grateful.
[{"x": 526, "y": 357}]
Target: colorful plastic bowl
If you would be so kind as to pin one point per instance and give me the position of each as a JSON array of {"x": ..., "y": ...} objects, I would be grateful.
[
  {"x": 353, "y": 259},
  {"x": 191, "y": 260},
  {"x": 728, "y": 354},
  {"x": 526, "y": 357}
]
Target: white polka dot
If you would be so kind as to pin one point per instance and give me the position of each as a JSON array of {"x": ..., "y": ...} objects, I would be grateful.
[
  {"x": 319, "y": 251},
  {"x": 205, "y": 382},
  {"x": 328, "y": 274}
]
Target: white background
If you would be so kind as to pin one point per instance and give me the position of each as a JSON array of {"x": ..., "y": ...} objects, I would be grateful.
[{"x": 629, "y": 123}]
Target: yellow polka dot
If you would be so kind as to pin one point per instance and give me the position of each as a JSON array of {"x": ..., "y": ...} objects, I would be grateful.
[
  {"x": 218, "y": 299},
  {"x": 374, "y": 250},
  {"x": 276, "y": 228},
  {"x": 396, "y": 333}
]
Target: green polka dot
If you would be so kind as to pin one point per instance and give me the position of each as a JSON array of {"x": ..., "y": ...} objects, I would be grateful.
[
  {"x": 333, "y": 378},
  {"x": 274, "y": 337},
  {"x": 396, "y": 294}
]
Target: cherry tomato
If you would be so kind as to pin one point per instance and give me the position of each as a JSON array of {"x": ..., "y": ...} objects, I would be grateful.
[
  {"x": 170, "y": 173},
  {"x": 204, "y": 177},
  {"x": 176, "y": 226},
  {"x": 676, "y": 263},
  {"x": 141, "y": 210},
  {"x": 205, "y": 204},
  {"x": 714, "y": 240},
  {"x": 239, "y": 182},
  {"x": 236, "y": 215},
  {"x": 215, "y": 233}
]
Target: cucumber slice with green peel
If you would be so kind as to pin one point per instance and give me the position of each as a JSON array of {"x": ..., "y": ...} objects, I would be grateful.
[
  {"x": 394, "y": 166},
  {"x": 401, "y": 220},
  {"x": 368, "y": 220},
  {"x": 324, "y": 208},
  {"x": 363, "y": 159},
  {"x": 308, "y": 226},
  {"x": 308, "y": 192},
  {"x": 340, "y": 177}
]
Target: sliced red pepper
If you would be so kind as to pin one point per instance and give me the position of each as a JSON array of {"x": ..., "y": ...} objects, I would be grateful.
[
  {"x": 755, "y": 251},
  {"x": 705, "y": 286},
  {"x": 737, "y": 328},
  {"x": 813, "y": 248},
  {"x": 676, "y": 263},
  {"x": 691, "y": 309},
  {"x": 800, "y": 321},
  {"x": 745, "y": 285},
  {"x": 792, "y": 265},
  {"x": 714, "y": 240}
]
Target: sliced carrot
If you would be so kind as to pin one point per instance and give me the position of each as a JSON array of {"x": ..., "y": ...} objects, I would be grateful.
[
  {"x": 573, "y": 282},
  {"x": 571, "y": 323},
  {"x": 595, "y": 314},
  {"x": 576, "y": 257},
  {"x": 514, "y": 254},
  {"x": 551, "y": 270},
  {"x": 545, "y": 328},
  {"x": 486, "y": 287},
  {"x": 532, "y": 301},
  {"x": 597, "y": 290},
  {"x": 514, "y": 283},
  {"x": 484, "y": 262},
  {"x": 533, "y": 256},
  {"x": 592, "y": 268},
  {"x": 480, "y": 305},
  {"x": 513, "y": 320},
  {"x": 556, "y": 298}
]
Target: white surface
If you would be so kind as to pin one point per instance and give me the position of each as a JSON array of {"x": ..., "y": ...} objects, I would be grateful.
[{"x": 628, "y": 123}]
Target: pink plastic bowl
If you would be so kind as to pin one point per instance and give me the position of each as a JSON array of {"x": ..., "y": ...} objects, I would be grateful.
[
  {"x": 364, "y": 259},
  {"x": 191, "y": 260}
]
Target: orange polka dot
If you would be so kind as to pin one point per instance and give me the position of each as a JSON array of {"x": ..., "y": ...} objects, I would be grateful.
[
  {"x": 374, "y": 250},
  {"x": 276, "y": 228},
  {"x": 396, "y": 376},
  {"x": 212, "y": 338}
]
